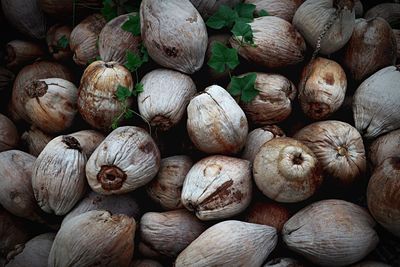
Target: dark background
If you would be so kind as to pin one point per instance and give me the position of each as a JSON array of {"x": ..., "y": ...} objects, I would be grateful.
[{"x": 176, "y": 141}]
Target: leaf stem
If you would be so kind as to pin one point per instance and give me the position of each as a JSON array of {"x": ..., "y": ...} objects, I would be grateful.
[{"x": 136, "y": 76}]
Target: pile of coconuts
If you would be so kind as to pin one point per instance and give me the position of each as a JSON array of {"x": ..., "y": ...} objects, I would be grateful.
[{"x": 307, "y": 173}]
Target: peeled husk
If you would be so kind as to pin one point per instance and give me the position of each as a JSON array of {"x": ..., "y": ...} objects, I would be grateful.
[
  {"x": 166, "y": 188},
  {"x": 372, "y": 47},
  {"x": 58, "y": 175},
  {"x": 170, "y": 232},
  {"x": 322, "y": 88},
  {"x": 115, "y": 204},
  {"x": 376, "y": 103},
  {"x": 115, "y": 42},
  {"x": 13, "y": 231},
  {"x": 388, "y": 11},
  {"x": 313, "y": 15},
  {"x": 208, "y": 7},
  {"x": 383, "y": 195},
  {"x": 89, "y": 140},
  {"x": 161, "y": 21},
  {"x": 20, "y": 53},
  {"x": 338, "y": 147},
  {"x": 384, "y": 147},
  {"x": 6, "y": 78},
  {"x": 230, "y": 243},
  {"x": 331, "y": 233},
  {"x": 94, "y": 238},
  {"x": 162, "y": 84},
  {"x": 268, "y": 213},
  {"x": 25, "y": 16},
  {"x": 283, "y": 262},
  {"x": 54, "y": 34},
  {"x": 96, "y": 101},
  {"x": 51, "y": 104},
  {"x": 9, "y": 137},
  {"x": 274, "y": 101},
  {"x": 216, "y": 124},
  {"x": 277, "y": 43},
  {"x": 258, "y": 137},
  {"x": 16, "y": 193},
  {"x": 218, "y": 187},
  {"x": 83, "y": 39},
  {"x": 34, "y": 253},
  {"x": 35, "y": 140},
  {"x": 128, "y": 158},
  {"x": 36, "y": 71},
  {"x": 283, "y": 9},
  {"x": 286, "y": 170}
]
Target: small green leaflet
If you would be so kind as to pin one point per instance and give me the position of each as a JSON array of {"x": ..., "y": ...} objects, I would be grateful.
[
  {"x": 132, "y": 25},
  {"x": 114, "y": 125},
  {"x": 244, "y": 86},
  {"x": 109, "y": 10},
  {"x": 244, "y": 31},
  {"x": 223, "y": 57},
  {"x": 129, "y": 114},
  {"x": 63, "y": 42},
  {"x": 133, "y": 61},
  {"x": 145, "y": 54},
  {"x": 224, "y": 17},
  {"x": 245, "y": 11},
  {"x": 138, "y": 89},
  {"x": 263, "y": 13},
  {"x": 123, "y": 93}
]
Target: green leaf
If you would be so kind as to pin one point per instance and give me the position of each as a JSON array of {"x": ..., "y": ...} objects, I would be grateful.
[
  {"x": 133, "y": 61},
  {"x": 138, "y": 89},
  {"x": 128, "y": 114},
  {"x": 63, "y": 42},
  {"x": 145, "y": 54},
  {"x": 223, "y": 57},
  {"x": 244, "y": 86},
  {"x": 243, "y": 30},
  {"x": 263, "y": 13},
  {"x": 224, "y": 17},
  {"x": 114, "y": 125},
  {"x": 243, "y": 20},
  {"x": 245, "y": 10},
  {"x": 109, "y": 10},
  {"x": 122, "y": 93},
  {"x": 132, "y": 25},
  {"x": 248, "y": 95}
]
